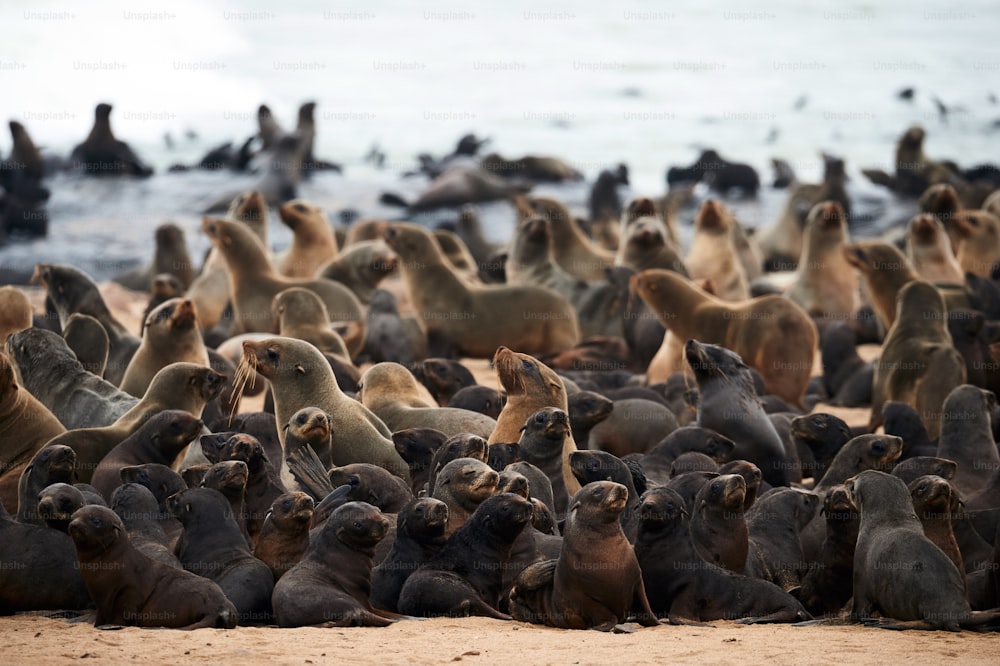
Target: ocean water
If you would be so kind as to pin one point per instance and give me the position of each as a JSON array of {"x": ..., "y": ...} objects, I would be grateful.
[{"x": 647, "y": 84}]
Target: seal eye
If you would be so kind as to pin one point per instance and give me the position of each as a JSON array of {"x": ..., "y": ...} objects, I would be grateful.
[
  {"x": 272, "y": 355},
  {"x": 716, "y": 487},
  {"x": 526, "y": 365},
  {"x": 357, "y": 524},
  {"x": 540, "y": 417},
  {"x": 302, "y": 419}
]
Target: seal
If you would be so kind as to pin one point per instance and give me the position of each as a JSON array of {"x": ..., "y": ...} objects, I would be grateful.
[
  {"x": 547, "y": 443},
  {"x": 774, "y": 523},
  {"x": 729, "y": 406},
  {"x": 473, "y": 320},
  {"x": 657, "y": 462},
  {"x": 826, "y": 587},
  {"x": 596, "y": 583},
  {"x": 443, "y": 378},
  {"x": 16, "y": 311},
  {"x": 101, "y": 154},
  {"x": 284, "y": 536},
  {"x": 586, "y": 409},
  {"x": 591, "y": 466},
  {"x": 825, "y": 284},
  {"x": 978, "y": 249},
  {"x": 71, "y": 291},
  {"x": 313, "y": 242},
  {"x": 361, "y": 266},
  {"x": 331, "y": 584},
  {"x": 457, "y": 254},
  {"x": 39, "y": 571},
  {"x": 718, "y": 525},
  {"x": 577, "y": 254},
  {"x": 390, "y": 337},
  {"x": 300, "y": 377},
  {"x": 49, "y": 370},
  {"x": 685, "y": 588},
  {"x": 301, "y": 314},
  {"x": 932, "y": 501},
  {"x": 229, "y": 477},
  {"x": 713, "y": 255},
  {"x": 720, "y": 174},
  {"x": 140, "y": 513},
  {"x": 635, "y": 425},
  {"x": 463, "y": 484},
  {"x": 212, "y": 545},
  {"x": 170, "y": 256},
  {"x": 967, "y": 438},
  {"x": 162, "y": 288},
  {"x": 773, "y": 334},
  {"x": 373, "y": 485},
  {"x": 163, "y": 482},
  {"x": 420, "y": 535},
  {"x": 170, "y": 335},
  {"x": 692, "y": 461},
  {"x": 184, "y": 386},
  {"x": 56, "y": 504},
  {"x": 911, "y": 469},
  {"x": 929, "y": 250},
  {"x": 253, "y": 281},
  {"x": 648, "y": 243},
  {"x": 130, "y": 588},
  {"x": 823, "y": 435},
  {"x": 311, "y": 426},
  {"x": 26, "y": 426},
  {"x": 159, "y": 440},
  {"x": 417, "y": 446},
  {"x": 918, "y": 364},
  {"x": 89, "y": 342},
  {"x": 897, "y": 570},
  {"x": 392, "y": 393},
  {"x": 531, "y": 262},
  {"x": 458, "y": 446},
  {"x": 466, "y": 576},
  {"x": 847, "y": 377},
  {"x": 885, "y": 270}
]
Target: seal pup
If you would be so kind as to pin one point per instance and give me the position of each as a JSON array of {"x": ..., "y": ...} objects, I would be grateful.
[
  {"x": 713, "y": 255},
  {"x": 170, "y": 335},
  {"x": 313, "y": 242},
  {"x": 929, "y": 250},
  {"x": 420, "y": 535},
  {"x": 574, "y": 251},
  {"x": 885, "y": 270},
  {"x": 825, "y": 284}
]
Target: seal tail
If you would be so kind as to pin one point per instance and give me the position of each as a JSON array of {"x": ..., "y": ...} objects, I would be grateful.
[{"x": 308, "y": 470}]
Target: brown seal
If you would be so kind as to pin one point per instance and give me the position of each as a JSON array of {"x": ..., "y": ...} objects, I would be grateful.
[
  {"x": 773, "y": 334},
  {"x": 443, "y": 378},
  {"x": 300, "y": 377},
  {"x": 26, "y": 426},
  {"x": 825, "y": 284},
  {"x": 457, "y": 254},
  {"x": 140, "y": 513},
  {"x": 885, "y": 271},
  {"x": 932, "y": 501},
  {"x": 163, "y": 287},
  {"x": 52, "y": 464},
  {"x": 466, "y": 576},
  {"x": 159, "y": 440},
  {"x": 302, "y": 314},
  {"x": 15, "y": 311},
  {"x": 72, "y": 290},
  {"x": 929, "y": 250},
  {"x": 474, "y": 320},
  {"x": 978, "y": 249},
  {"x": 170, "y": 335},
  {"x": 313, "y": 242},
  {"x": 330, "y": 586},
  {"x": 312, "y": 426},
  {"x": 967, "y": 438},
  {"x": 463, "y": 484},
  {"x": 361, "y": 266},
  {"x": 372, "y": 484},
  {"x": 393, "y": 394},
  {"x": 253, "y": 281},
  {"x": 718, "y": 527},
  {"x": 130, "y": 588},
  {"x": 89, "y": 341},
  {"x": 918, "y": 364},
  {"x": 183, "y": 386},
  {"x": 390, "y": 337},
  {"x": 826, "y": 587},
  {"x": 713, "y": 255},
  {"x": 284, "y": 536},
  {"x": 56, "y": 504},
  {"x": 458, "y": 446},
  {"x": 685, "y": 588},
  {"x": 101, "y": 154},
  {"x": 634, "y": 425},
  {"x": 596, "y": 583},
  {"x": 170, "y": 256},
  {"x": 212, "y": 545},
  {"x": 577, "y": 254},
  {"x": 774, "y": 523},
  {"x": 420, "y": 535},
  {"x": 898, "y": 571},
  {"x": 417, "y": 447}
]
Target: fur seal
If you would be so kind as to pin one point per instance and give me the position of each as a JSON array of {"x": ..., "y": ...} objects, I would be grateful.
[
  {"x": 26, "y": 425},
  {"x": 648, "y": 243},
  {"x": 52, "y": 464},
  {"x": 253, "y": 281},
  {"x": 313, "y": 242},
  {"x": 586, "y": 409},
  {"x": 885, "y": 271},
  {"x": 463, "y": 484},
  {"x": 101, "y": 154},
  {"x": 184, "y": 386},
  {"x": 590, "y": 466},
  {"x": 417, "y": 446},
  {"x": 159, "y": 440},
  {"x": 823, "y": 435},
  {"x": 50, "y": 371},
  {"x": 420, "y": 535},
  {"x": 826, "y": 587},
  {"x": 170, "y": 335},
  {"x": 302, "y": 314},
  {"x": 713, "y": 255},
  {"x": 531, "y": 385},
  {"x": 718, "y": 525},
  {"x": 229, "y": 477},
  {"x": 56, "y": 504},
  {"x": 392, "y": 393},
  {"x": 847, "y": 378},
  {"x": 311, "y": 426},
  {"x": 918, "y": 364},
  {"x": 163, "y": 287},
  {"x": 596, "y": 583},
  {"x": 574, "y": 251},
  {"x": 361, "y": 266},
  {"x": 685, "y": 588},
  {"x": 473, "y": 320},
  {"x": 443, "y": 377},
  {"x": 170, "y": 256},
  {"x": 897, "y": 570},
  {"x": 372, "y": 484},
  {"x": 932, "y": 501},
  {"x": 978, "y": 248},
  {"x": 72, "y": 290},
  {"x": 729, "y": 406},
  {"x": 284, "y": 536},
  {"x": 459, "y": 446},
  {"x": 212, "y": 545},
  {"x": 390, "y": 337},
  {"x": 130, "y": 588},
  {"x": 967, "y": 437},
  {"x": 330, "y": 586},
  {"x": 546, "y": 442},
  {"x": 657, "y": 462},
  {"x": 772, "y": 333},
  {"x": 466, "y": 576},
  {"x": 825, "y": 284},
  {"x": 929, "y": 250},
  {"x": 140, "y": 514},
  {"x": 301, "y": 377},
  {"x": 720, "y": 174},
  {"x": 89, "y": 342},
  {"x": 774, "y": 523},
  {"x": 15, "y": 311},
  {"x": 634, "y": 425}
]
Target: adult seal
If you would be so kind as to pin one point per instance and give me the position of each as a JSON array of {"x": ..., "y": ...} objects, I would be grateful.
[
  {"x": 825, "y": 284},
  {"x": 101, "y": 154},
  {"x": 313, "y": 242},
  {"x": 170, "y": 335}
]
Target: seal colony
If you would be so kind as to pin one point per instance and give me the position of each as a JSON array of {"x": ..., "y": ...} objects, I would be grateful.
[{"x": 594, "y": 485}]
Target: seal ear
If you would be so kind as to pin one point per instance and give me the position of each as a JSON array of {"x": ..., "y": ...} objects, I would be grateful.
[
  {"x": 187, "y": 506},
  {"x": 300, "y": 369}
]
